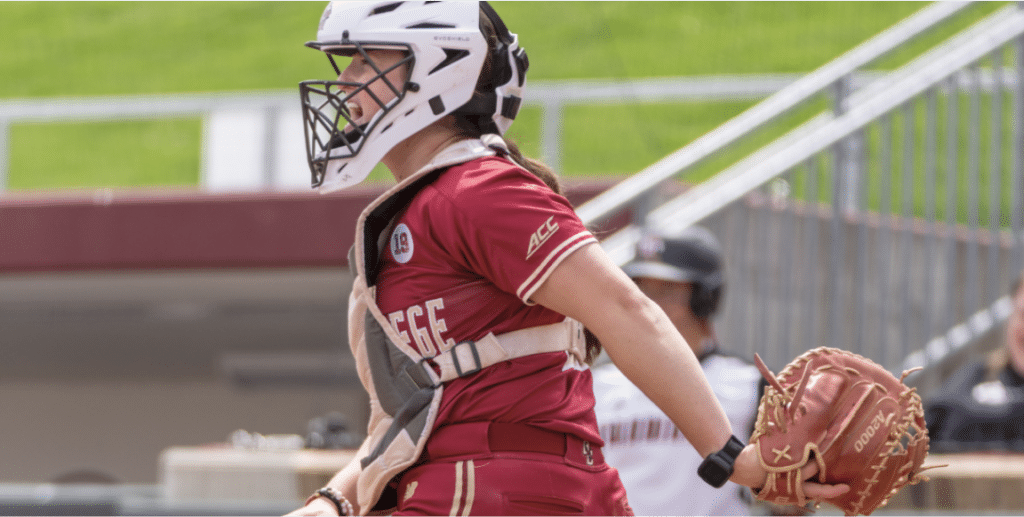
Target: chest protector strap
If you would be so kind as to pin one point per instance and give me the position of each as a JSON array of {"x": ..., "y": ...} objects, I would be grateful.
[{"x": 470, "y": 357}]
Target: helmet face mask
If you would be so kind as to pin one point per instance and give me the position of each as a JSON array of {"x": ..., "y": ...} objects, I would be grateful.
[
  {"x": 332, "y": 132},
  {"x": 444, "y": 51}
]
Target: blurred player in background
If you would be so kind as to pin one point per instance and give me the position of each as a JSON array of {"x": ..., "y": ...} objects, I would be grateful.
[
  {"x": 980, "y": 406},
  {"x": 471, "y": 275},
  {"x": 684, "y": 275}
]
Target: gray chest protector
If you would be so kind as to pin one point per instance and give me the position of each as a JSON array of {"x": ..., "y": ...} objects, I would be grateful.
[{"x": 405, "y": 391}]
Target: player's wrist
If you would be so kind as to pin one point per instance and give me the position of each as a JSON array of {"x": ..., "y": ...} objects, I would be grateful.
[{"x": 747, "y": 470}]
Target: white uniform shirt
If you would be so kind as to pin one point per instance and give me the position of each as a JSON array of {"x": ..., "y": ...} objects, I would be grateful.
[{"x": 658, "y": 466}]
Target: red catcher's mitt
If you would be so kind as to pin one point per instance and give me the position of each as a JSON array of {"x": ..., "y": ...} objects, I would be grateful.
[{"x": 860, "y": 424}]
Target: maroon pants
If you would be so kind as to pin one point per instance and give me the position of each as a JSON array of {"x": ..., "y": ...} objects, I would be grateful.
[{"x": 510, "y": 469}]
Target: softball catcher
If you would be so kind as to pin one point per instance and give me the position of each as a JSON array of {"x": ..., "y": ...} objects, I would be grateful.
[{"x": 473, "y": 280}]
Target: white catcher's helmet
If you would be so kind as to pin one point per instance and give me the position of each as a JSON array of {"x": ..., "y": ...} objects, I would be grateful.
[{"x": 445, "y": 51}]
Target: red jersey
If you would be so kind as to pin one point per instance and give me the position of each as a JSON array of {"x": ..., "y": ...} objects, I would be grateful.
[{"x": 463, "y": 260}]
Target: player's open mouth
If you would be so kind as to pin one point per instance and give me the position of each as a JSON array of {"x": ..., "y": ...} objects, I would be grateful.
[{"x": 353, "y": 112}]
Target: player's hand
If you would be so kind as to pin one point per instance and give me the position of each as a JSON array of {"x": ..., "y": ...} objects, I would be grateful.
[
  {"x": 749, "y": 472},
  {"x": 316, "y": 507},
  {"x": 815, "y": 490}
]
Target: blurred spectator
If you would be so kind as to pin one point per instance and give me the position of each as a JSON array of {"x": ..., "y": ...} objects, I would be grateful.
[
  {"x": 980, "y": 406},
  {"x": 331, "y": 431},
  {"x": 683, "y": 274}
]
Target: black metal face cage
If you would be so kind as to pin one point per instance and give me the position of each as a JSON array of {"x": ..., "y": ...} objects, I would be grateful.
[{"x": 324, "y": 114}]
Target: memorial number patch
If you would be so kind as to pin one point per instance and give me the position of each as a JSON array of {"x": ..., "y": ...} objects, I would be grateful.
[{"x": 401, "y": 244}]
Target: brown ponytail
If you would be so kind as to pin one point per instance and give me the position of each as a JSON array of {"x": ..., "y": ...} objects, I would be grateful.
[{"x": 536, "y": 167}]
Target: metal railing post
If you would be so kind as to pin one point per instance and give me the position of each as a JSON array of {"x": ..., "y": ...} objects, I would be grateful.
[
  {"x": 905, "y": 210},
  {"x": 931, "y": 257},
  {"x": 1017, "y": 169},
  {"x": 952, "y": 172},
  {"x": 885, "y": 230},
  {"x": 972, "y": 295},
  {"x": 551, "y": 134},
  {"x": 5, "y": 154},
  {"x": 837, "y": 251},
  {"x": 270, "y": 116},
  {"x": 995, "y": 180},
  {"x": 848, "y": 151}
]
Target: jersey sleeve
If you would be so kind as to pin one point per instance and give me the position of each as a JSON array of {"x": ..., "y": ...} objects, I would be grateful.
[{"x": 512, "y": 229}]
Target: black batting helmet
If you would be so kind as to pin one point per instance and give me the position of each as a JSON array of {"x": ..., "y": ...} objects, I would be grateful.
[{"x": 693, "y": 256}]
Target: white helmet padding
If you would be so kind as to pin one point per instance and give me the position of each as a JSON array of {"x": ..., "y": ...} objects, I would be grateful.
[{"x": 445, "y": 55}]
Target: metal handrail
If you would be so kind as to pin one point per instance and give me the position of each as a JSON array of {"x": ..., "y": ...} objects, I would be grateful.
[
  {"x": 138, "y": 106},
  {"x": 541, "y": 93},
  {"x": 936, "y": 70},
  {"x": 551, "y": 97},
  {"x": 824, "y": 130},
  {"x": 799, "y": 92}
]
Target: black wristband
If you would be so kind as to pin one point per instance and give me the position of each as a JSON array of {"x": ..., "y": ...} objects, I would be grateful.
[{"x": 717, "y": 467}]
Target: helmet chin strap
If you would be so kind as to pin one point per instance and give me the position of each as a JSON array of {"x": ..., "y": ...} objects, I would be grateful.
[{"x": 350, "y": 137}]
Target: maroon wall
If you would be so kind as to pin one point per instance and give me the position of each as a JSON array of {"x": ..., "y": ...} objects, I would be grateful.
[{"x": 172, "y": 229}]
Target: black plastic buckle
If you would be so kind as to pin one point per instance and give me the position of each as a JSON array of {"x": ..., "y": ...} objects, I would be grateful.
[{"x": 476, "y": 357}]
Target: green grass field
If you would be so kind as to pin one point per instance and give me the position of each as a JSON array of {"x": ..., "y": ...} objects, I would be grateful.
[{"x": 81, "y": 49}]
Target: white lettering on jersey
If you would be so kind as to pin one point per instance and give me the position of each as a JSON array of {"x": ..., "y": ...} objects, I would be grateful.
[
  {"x": 429, "y": 341},
  {"x": 438, "y": 325},
  {"x": 420, "y": 335},
  {"x": 401, "y": 244},
  {"x": 395, "y": 318},
  {"x": 541, "y": 236}
]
